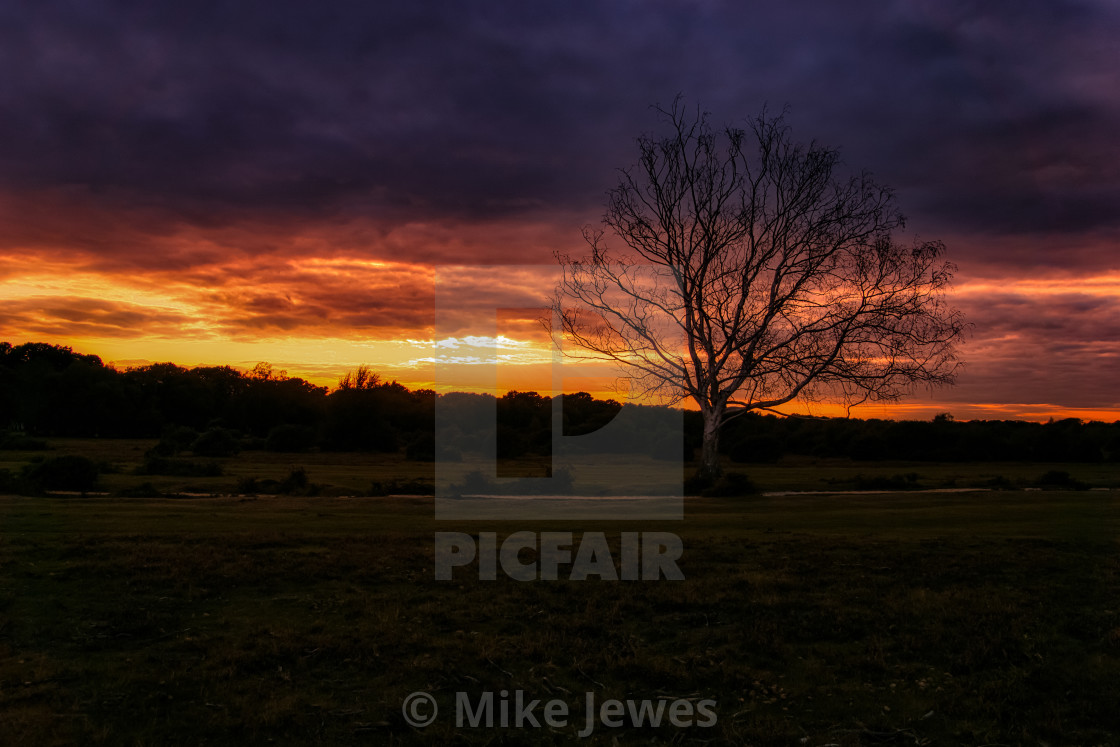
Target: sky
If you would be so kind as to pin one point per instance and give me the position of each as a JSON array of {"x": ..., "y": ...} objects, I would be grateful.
[{"x": 215, "y": 182}]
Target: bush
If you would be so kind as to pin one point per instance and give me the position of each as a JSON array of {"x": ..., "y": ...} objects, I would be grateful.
[
  {"x": 254, "y": 443},
  {"x": 290, "y": 438},
  {"x": 143, "y": 490},
  {"x": 70, "y": 472},
  {"x": 216, "y": 442},
  {"x": 295, "y": 482},
  {"x": 253, "y": 486},
  {"x": 22, "y": 443},
  {"x": 729, "y": 484},
  {"x": 696, "y": 485},
  {"x": 474, "y": 483},
  {"x": 999, "y": 482},
  {"x": 561, "y": 483},
  {"x": 1057, "y": 478},
  {"x": 175, "y": 438}
]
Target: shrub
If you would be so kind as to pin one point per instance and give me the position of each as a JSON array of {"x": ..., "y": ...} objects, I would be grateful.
[
  {"x": 295, "y": 482},
  {"x": 253, "y": 486},
  {"x": 999, "y": 482},
  {"x": 143, "y": 490},
  {"x": 696, "y": 485},
  {"x": 474, "y": 483},
  {"x": 70, "y": 472},
  {"x": 730, "y": 484},
  {"x": 561, "y": 483},
  {"x": 216, "y": 442},
  {"x": 254, "y": 443},
  {"x": 22, "y": 443},
  {"x": 1057, "y": 478},
  {"x": 175, "y": 438},
  {"x": 290, "y": 438},
  {"x": 882, "y": 482}
]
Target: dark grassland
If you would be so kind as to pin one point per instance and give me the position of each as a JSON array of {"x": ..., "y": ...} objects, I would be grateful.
[{"x": 976, "y": 618}]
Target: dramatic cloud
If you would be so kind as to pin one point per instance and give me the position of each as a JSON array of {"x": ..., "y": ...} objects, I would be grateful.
[
  {"x": 1001, "y": 115},
  {"x": 92, "y": 317},
  {"x": 1046, "y": 343},
  {"x": 280, "y": 170}
]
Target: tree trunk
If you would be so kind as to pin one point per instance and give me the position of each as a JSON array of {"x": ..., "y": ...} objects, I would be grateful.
[{"x": 709, "y": 450}]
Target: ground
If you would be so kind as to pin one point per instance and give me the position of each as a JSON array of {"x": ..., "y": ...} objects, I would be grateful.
[{"x": 984, "y": 617}]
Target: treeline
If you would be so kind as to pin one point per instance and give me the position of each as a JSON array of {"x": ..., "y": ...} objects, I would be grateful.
[
  {"x": 766, "y": 438},
  {"x": 51, "y": 391}
]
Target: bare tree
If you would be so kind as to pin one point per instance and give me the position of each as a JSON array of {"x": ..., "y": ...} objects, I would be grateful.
[
  {"x": 753, "y": 275},
  {"x": 363, "y": 377}
]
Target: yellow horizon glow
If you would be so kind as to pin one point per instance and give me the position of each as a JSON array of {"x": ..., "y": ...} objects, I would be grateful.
[
  {"x": 341, "y": 356},
  {"x": 1095, "y": 285},
  {"x": 191, "y": 327}
]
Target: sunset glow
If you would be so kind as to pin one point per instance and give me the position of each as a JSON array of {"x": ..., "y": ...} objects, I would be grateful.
[
  {"x": 314, "y": 319},
  {"x": 293, "y": 202}
]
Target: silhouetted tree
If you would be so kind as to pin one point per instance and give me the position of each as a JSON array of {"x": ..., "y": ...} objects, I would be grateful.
[
  {"x": 585, "y": 414},
  {"x": 48, "y": 390},
  {"x": 363, "y": 377},
  {"x": 524, "y": 424},
  {"x": 366, "y": 413},
  {"x": 754, "y": 276}
]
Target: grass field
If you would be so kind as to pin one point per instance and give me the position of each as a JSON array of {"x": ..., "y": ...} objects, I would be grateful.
[
  {"x": 975, "y": 618},
  {"x": 344, "y": 473}
]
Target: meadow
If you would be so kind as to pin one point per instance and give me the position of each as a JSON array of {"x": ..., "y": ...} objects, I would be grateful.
[{"x": 979, "y": 617}]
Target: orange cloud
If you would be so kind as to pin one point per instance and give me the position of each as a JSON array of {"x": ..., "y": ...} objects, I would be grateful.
[{"x": 320, "y": 299}]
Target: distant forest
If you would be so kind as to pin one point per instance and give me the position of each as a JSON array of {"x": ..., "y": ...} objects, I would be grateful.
[{"x": 51, "y": 391}]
